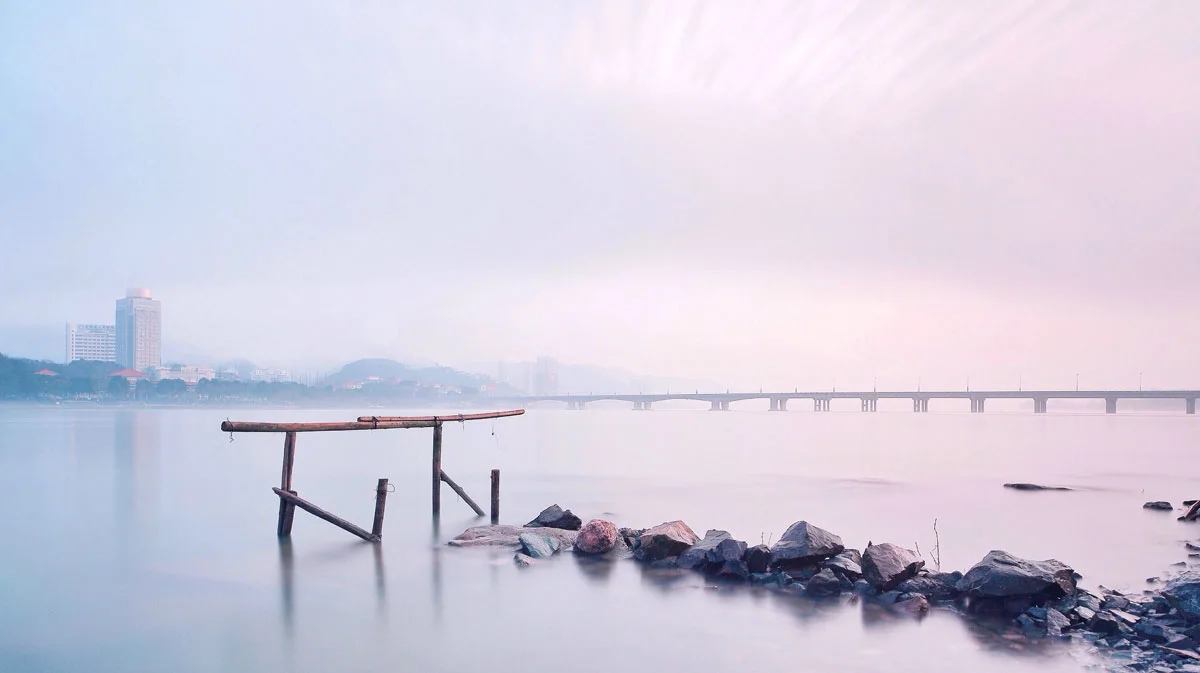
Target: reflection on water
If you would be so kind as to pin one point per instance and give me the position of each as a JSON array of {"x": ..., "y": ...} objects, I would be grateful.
[{"x": 161, "y": 553}]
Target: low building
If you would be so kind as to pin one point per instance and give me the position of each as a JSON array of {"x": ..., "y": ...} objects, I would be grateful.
[
  {"x": 97, "y": 343},
  {"x": 271, "y": 375},
  {"x": 189, "y": 374}
]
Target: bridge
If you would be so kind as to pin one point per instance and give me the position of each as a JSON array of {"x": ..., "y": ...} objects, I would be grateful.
[{"x": 868, "y": 400}]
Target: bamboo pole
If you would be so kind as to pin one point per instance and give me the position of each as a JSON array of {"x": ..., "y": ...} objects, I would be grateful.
[
  {"x": 448, "y": 418},
  {"x": 322, "y": 514},
  {"x": 495, "y": 497},
  {"x": 380, "y": 503},
  {"x": 462, "y": 494},
  {"x": 284, "y": 528},
  {"x": 437, "y": 468},
  {"x": 255, "y": 426}
]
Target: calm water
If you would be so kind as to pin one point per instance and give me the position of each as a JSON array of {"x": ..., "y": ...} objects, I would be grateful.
[{"x": 144, "y": 540}]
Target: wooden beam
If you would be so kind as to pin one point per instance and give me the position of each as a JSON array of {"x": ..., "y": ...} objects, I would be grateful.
[
  {"x": 286, "y": 509},
  {"x": 254, "y": 426},
  {"x": 380, "y": 503},
  {"x": 447, "y": 418},
  {"x": 462, "y": 494},
  {"x": 322, "y": 514},
  {"x": 437, "y": 468},
  {"x": 495, "y": 497}
]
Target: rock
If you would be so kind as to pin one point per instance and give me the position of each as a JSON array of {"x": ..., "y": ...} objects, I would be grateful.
[
  {"x": 1088, "y": 601},
  {"x": 757, "y": 558},
  {"x": 916, "y": 606},
  {"x": 1001, "y": 575},
  {"x": 1183, "y": 593},
  {"x": 824, "y": 583},
  {"x": 1160, "y": 505},
  {"x": 886, "y": 565},
  {"x": 1084, "y": 613},
  {"x": 523, "y": 560},
  {"x": 507, "y": 536},
  {"x": 537, "y": 545},
  {"x": 664, "y": 541},
  {"x": 1188, "y": 503},
  {"x": 555, "y": 517},
  {"x": 597, "y": 537},
  {"x": 668, "y": 563},
  {"x": 771, "y": 579},
  {"x": 630, "y": 536},
  {"x": 1056, "y": 623},
  {"x": 1104, "y": 622},
  {"x": 1192, "y": 632},
  {"x": 1125, "y": 618},
  {"x": 1182, "y": 642},
  {"x": 1117, "y": 602},
  {"x": 1026, "y": 622},
  {"x": 804, "y": 544},
  {"x": 1035, "y": 487},
  {"x": 727, "y": 551},
  {"x": 863, "y": 588},
  {"x": 696, "y": 556},
  {"x": 732, "y": 569},
  {"x": 1037, "y": 612},
  {"x": 933, "y": 588},
  {"x": 1155, "y": 633},
  {"x": 847, "y": 564}
]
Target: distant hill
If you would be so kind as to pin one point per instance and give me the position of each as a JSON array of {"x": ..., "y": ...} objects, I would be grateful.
[{"x": 390, "y": 370}]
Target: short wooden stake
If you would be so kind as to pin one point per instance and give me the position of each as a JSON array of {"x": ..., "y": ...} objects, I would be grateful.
[
  {"x": 380, "y": 503},
  {"x": 437, "y": 468},
  {"x": 495, "y": 497},
  {"x": 461, "y": 493},
  {"x": 286, "y": 509}
]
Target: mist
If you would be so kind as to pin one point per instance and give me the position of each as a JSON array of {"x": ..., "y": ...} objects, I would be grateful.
[{"x": 768, "y": 194}]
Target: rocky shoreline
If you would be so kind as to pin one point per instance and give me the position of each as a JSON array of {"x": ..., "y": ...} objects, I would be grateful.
[{"x": 1157, "y": 631}]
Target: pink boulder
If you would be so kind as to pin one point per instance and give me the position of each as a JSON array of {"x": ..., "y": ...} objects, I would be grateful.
[{"x": 596, "y": 537}]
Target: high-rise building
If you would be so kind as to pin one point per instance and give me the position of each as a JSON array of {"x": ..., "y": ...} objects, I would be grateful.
[
  {"x": 139, "y": 330},
  {"x": 91, "y": 342},
  {"x": 545, "y": 376}
]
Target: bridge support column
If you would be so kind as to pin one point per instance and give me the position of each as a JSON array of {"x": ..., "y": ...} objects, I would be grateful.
[
  {"x": 1039, "y": 405},
  {"x": 1191, "y": 405},
  {"x": 921, "y": 404},
  {"x": 639, "y": 405},
  {"x": 821, "y": 404},
  {"x": 977, "y": 405},
  {"x": 720, "y": 405},
  {"x": 778, "y": 404},
  {"x": 1110, "y": 405},
  {"x": 874, "y": 404},
  {"x": 866, "y": 404}
]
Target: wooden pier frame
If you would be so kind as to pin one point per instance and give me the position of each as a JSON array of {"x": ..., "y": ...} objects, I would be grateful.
[{"x": 289, "y": 500}]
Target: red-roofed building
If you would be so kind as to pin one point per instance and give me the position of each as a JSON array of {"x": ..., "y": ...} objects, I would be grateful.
[
  {"x": 45, "y": 372},
  {"x": 131, "y": 375}
]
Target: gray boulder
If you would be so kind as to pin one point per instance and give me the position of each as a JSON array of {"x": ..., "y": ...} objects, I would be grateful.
[
  {"x": 1001, "y": 575},
  {"x": 523, "y": 560},
  {"x": 1183, "y": 593},
  {"x": 732, "y": 569},
  {"x": 824, "y": 583},
  {"x": 538, "y": 545},
  {"x": 805, "y": 544},
  {"x": 912, "y": 604},
  {"x": 886, "y": 565},
  {"x": 1104, "y": 623},
  {"x": 757, "y": 558},
  {"x": 1160, "y": 505},
  {"x": 936, "y": 588},
  {"x": 848, "y": 564},
  {"x": 1056, "y": 623},
  {"x": 665, "y": 540},
  {"x": 507, "y": 536},
  {"x": 696, "y": 556},
  {"x": 555, "y": 517}
]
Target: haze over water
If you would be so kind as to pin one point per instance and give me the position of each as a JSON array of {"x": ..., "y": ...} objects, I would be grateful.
[{"x": 144, "y": 539}]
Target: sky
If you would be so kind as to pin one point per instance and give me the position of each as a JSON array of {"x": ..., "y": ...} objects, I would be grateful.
[{"x": 797, "y": 194}]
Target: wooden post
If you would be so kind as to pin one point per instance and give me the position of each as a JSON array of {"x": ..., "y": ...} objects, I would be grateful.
[
  {"x": 322, "y": 514},
  {"x": 462, "y": 493},
  {"x": 380, "y": 503},
  {"x": 286, "y": 509},
  {"x": 437, "y": 468},
  {"x": 495, "y": 497}
]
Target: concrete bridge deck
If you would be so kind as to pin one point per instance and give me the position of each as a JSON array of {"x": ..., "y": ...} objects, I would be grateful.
[{"x": 869, "y": 399}]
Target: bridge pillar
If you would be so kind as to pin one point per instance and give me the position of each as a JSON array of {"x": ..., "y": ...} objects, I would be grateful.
[
  {"x": 720, "y": 405},
  {"x": 1191, "y": 405},
  {"x": 874, "y": 404},
  {"x": 1110, "y": 405},
  {"x": 977, "y": 405},
  {"x": 921, "y": 404},
  {"x": 866, "y": 404},
  {"x": 821, "y": 404},
  {"x": 1039, "y": 405},
  {"x": 778, "y": 404}
]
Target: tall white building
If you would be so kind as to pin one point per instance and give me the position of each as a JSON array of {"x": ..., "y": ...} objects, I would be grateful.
[
  {"x": 91, "y": 342},
  {"x": 139, "y": 330}
]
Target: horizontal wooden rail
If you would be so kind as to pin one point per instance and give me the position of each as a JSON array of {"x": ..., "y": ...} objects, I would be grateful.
[
  {"x": 254, "y": 426},
  {"x": 445, "y": 418},
  {"x": 322, "y": 514}
]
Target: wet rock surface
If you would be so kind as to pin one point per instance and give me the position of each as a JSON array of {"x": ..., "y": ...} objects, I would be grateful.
[
  {"x": 886, "y": 565},
  {"x": 538, "y": 545},
  {"x": 1019, "y": 486},
  {"x": 556, "y": 517},
  {"x": 597, "y": 537},
  {"x": 804, "y": 544},
  {"x": 664, "y": 541},
  {"x": 507, "y": 536},
  {"x": 1160, "y": 505}
]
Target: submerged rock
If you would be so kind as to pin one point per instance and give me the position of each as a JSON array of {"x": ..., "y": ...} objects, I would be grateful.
[
  {"x": 506, "y": 536},
  {"x": 630, "y": 536},
  {"x": 935, "y": 588},
  {"x": 757, "y": 558},
  {"x": 804, "y": 544},
  {"x": 664, "y": 541},
  {"x": 596, "y": 537},
  {"x": 555, "y": 517},
  {"x": 914, "y": 605},
  {"x": 538, "y": 545},
  {"x": 523, "y": 560},
  {"x": 1160, "y": 505},
  {"x": 886, "y": 565},
  {"x": 1035, "y": 487},
  {"x": 824, "y": 583},
  {"x": 1001, "y": 575}
]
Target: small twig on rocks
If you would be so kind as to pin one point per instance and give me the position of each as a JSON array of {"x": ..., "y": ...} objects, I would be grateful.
[{"x": 937, "y": 548}]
